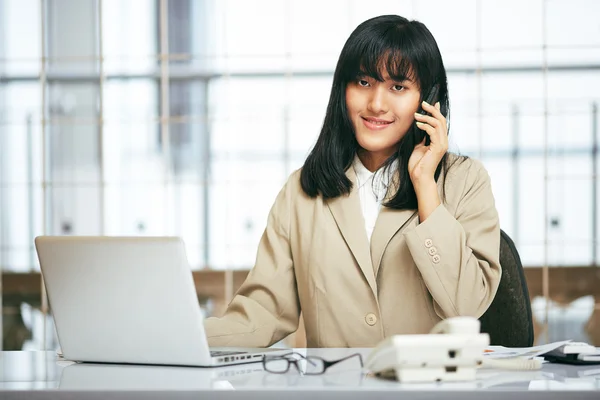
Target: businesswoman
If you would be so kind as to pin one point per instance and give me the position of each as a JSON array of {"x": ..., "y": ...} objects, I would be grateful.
[{"x": 380, "y": 232}]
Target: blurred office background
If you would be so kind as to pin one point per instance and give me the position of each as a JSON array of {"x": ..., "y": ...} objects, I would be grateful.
[{"x": 185, "y": 117}]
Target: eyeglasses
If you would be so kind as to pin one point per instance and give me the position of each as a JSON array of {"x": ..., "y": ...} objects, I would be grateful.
[{"x": 310, "y": 365}]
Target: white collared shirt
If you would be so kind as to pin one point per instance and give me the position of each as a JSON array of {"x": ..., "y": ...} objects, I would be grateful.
[{"x": 372, "y": 188}]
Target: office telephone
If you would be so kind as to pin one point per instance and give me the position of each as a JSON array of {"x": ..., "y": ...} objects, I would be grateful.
[{"x": 452, "y": 351}]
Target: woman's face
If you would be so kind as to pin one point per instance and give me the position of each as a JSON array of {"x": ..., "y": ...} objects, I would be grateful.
[{"x": 381, "y": 112}]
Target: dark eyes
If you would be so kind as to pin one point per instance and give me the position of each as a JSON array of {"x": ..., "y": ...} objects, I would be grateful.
[{"x": 365, "y": 83}]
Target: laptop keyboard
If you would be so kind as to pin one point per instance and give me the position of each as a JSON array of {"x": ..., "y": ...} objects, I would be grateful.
[{"x": 216, "y": 353}]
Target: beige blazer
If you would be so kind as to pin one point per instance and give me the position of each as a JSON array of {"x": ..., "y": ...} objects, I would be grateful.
[{"x": 315, "y": 257}]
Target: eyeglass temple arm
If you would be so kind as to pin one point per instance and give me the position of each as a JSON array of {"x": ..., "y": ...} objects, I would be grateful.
[{"x": 330, "y": 363}]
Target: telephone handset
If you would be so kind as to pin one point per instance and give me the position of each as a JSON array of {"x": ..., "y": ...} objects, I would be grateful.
[
  {"x": 432, "y": 98},
  {"x": 452, "y": 351}
]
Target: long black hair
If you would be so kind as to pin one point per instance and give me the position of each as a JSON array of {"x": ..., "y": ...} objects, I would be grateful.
[{"x": 403, "y": 49}]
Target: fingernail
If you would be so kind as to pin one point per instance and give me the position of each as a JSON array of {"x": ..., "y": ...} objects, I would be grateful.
[
  {"x": 426, "y": 103},
  {"x": 417, "y": 115}
]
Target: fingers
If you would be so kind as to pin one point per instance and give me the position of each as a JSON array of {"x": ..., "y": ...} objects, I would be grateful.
[
  {"x": 438, "y": 139},
  {"x": 430, "y": 130},
  {"x": 433, "y": 110},
  {"x": 427, "y": 120},
  {"x": 434, "y": 125}
]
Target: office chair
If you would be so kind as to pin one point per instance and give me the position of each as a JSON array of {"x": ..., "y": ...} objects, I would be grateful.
[{"x": 508, "y": 320}]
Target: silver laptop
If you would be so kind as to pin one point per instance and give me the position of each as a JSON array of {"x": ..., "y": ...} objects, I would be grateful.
[{"x": 129, "y": 300}]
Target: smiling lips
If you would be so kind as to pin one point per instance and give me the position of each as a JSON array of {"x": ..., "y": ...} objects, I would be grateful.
[{"x": 376, "y": 124}]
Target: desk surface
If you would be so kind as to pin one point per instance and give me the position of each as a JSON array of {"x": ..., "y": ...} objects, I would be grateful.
[{"x": 42, "y": 375}]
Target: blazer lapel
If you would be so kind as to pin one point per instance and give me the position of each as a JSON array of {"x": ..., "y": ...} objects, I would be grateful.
[
  {"x": 389, "y": 221},
  {"x": 348, "y": 216}
]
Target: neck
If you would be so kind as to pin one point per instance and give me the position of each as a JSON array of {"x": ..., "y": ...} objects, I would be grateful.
[{"x": 372, "y": 160}]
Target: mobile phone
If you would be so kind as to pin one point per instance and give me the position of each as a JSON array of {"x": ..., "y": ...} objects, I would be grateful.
[{"x": 432, "y": 98}]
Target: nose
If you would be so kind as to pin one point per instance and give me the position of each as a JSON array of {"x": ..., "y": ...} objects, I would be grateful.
[{"x": 377, "y": 103}]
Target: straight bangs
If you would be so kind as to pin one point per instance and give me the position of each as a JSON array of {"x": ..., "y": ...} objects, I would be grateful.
[{"x": 388, "y": 53}]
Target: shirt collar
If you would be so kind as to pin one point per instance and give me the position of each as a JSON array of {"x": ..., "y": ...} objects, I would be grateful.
[
  {"x": 362, "y": 173},
  {"x": 382, "y": 176}
]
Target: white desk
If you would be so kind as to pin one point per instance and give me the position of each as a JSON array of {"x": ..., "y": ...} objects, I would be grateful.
[{"x": 41, "y": 375}]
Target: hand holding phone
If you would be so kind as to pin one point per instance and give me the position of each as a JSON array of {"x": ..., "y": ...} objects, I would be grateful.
[{"x": 432, "y": 98}]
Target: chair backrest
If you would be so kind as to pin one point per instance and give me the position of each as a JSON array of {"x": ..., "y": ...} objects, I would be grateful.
[{"x": 508, "y": 320}]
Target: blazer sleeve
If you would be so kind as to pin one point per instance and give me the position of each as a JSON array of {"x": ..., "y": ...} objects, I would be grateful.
[
  {"x": 266, "y": 307},
  {"x": 459, "y": 255}
]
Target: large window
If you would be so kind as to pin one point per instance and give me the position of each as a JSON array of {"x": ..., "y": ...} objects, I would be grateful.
[{"x": 185, "y": 117}]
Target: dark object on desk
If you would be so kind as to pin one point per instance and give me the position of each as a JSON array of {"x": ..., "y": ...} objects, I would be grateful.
[
  {"x": 575, "y": 353},
  {"x": 508, "y": 320},
  {"x": 568, "y": 359}
]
